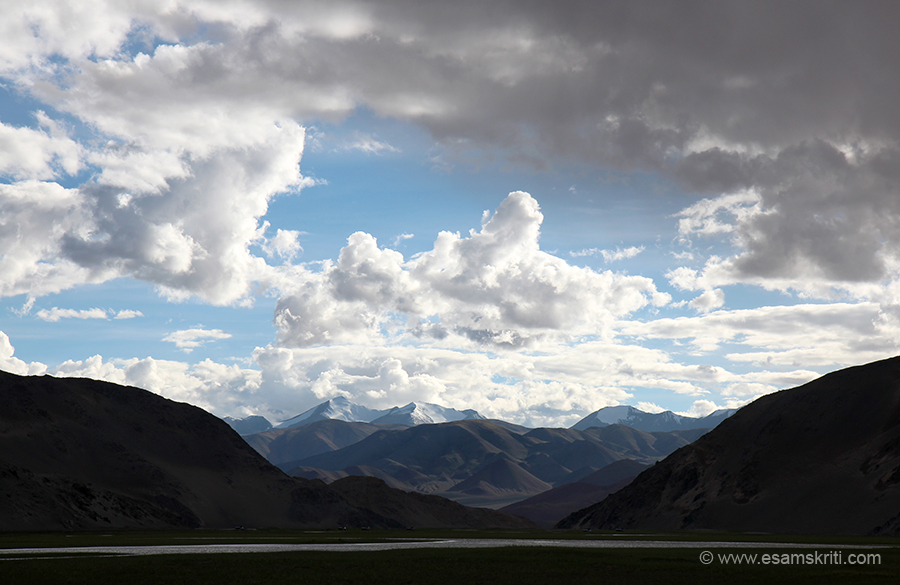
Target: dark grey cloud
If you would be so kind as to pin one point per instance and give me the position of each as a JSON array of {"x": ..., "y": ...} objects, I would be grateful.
[
  {"x": 771, "y": 73},
  {"x": 794, "y": 100}
]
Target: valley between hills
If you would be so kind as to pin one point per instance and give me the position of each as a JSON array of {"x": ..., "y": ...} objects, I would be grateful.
[
  {"x": 478, "y": 463},
  {"x": 823, "y": 458},
  {"x": 462, "y": 456}
]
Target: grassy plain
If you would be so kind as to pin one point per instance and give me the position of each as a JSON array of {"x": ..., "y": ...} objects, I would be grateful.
[{"x": 497, "y": 566}]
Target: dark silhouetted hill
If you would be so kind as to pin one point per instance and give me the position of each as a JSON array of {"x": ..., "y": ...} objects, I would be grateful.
[
  {"x": 820, "y": 458},
  {"x": 84, "y": 454}
]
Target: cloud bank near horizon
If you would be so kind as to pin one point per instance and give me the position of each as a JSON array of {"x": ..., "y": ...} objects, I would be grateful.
[{"x": 391, "y": 331}]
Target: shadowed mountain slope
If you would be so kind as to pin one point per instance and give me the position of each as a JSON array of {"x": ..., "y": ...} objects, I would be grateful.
[
  {"x": 820, "y": 458},
  {"x": 84, "y": 454},
  {"x": 479, "y": 462},
  {"x": 248, "y": 425},
  {"x": 80, "y": 453},
  {"x": 373, "y": 494},
  {"x": 300, "y": 442},
  {"x": 614, "y": 473},
  {"x": 547, "y": 508},
  {"x": 440, "y": 454},
  {"x": 500, "y": 477}
]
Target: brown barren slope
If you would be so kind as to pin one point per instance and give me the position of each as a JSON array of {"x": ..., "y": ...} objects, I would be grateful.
[
  {"x": 77, "y": 453},
  {"x": 84, "y": 454},
  {"x": 820, "y": 458}
]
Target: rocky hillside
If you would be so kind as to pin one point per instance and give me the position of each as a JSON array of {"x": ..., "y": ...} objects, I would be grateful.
[
  {"x": 820, "y": 458},
  {"x": 83, "y": 454},
  {"x": 482, "y": 463}
]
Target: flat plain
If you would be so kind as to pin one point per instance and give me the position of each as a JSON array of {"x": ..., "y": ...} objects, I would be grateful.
[{"x": 513, "y": 565}]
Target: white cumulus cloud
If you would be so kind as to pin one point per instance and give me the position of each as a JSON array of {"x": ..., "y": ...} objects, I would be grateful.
[
  {"x": 493, "y": 287},
  {"x": 708, "y": 300},
  {"x": 12, "y": 364}
]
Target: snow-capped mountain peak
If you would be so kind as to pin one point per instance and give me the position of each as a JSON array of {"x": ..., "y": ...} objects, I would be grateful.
[
  {"x": 414, "y": 413},
  {"x": 612, "y": 415},
  {"x": 423, "y": 413},
  {"x": 337, "y": 408},
  {"x": 248, "y": 425}
]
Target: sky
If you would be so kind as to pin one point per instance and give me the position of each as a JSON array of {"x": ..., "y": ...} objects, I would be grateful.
[{"x": 527, "y": 208}]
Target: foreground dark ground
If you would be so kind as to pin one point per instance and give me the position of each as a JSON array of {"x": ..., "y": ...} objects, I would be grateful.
[{"x": 514, "y": 565}]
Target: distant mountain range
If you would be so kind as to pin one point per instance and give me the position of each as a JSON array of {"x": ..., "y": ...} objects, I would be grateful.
[
  {"x": 248, "y": 425},
  {"x": 423, "y": 413},
  {"x": 340, "y": 408},
  {"x": 822, "y": 458},
  {"x": 302, "y": 441},
  {"x": 337, "y": 408},
  {"x": 85, "y": 454},
  {"x": 646, "y": 421},
  {"x": 475, "y": 462},
  {"x": 418, "y": 413},
  {"x": 467, "y": 458}
]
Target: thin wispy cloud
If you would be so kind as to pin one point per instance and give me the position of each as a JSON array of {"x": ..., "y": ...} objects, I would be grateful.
[
  {"x": 401, "y": 238},
  {"x": 609, "y": 255},
  {"x": 189, "y": 339},
  {"x": 368, "y": 144},
  {"x": 55, "y": 314},
  {"x": 128, "y": 314}
]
